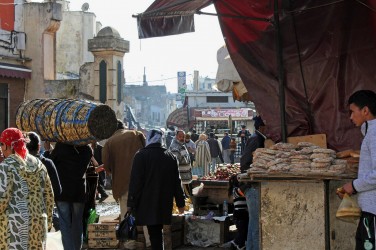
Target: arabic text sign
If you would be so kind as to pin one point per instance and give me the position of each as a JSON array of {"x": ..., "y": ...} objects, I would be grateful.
[{"x": 224, "y": 113}]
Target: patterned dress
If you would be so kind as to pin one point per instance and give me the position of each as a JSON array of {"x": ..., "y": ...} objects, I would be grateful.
[
  {"x": 26, "y": 203},
  {"x": 181, "y": 153},
  {"x": 203, "y": 157}
]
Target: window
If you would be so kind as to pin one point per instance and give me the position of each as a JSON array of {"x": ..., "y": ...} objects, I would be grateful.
[
  {"x": 103, "y": 82},
  {"x": 3, "y": 106},
  {"x": 217, "y": 99},
  {"x": 119, "y": 85}
]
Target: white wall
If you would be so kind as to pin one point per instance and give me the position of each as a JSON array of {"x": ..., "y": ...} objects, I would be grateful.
[
  {"x": 198, "y": 99},
  {"x": 72, "y": 41}
]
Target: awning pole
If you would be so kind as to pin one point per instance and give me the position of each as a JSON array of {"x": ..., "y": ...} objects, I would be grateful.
[{"x": 281, "y": 75}]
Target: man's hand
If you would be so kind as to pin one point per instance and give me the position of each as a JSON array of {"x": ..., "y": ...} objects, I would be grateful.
[
  {"x": 347, "y": 188},
  {"x": 99, "y": 168},
  {"x": 181, "y": 210}
]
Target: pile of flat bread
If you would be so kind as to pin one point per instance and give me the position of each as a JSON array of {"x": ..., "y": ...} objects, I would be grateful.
[{"x": 305, "y": 157}]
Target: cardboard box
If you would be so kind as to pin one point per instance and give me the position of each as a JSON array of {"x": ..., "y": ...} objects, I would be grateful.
[
  {"x": 102, "y": 235},
  {"x": 102, "y": 227},
  {"x": 103, "y": 243}
]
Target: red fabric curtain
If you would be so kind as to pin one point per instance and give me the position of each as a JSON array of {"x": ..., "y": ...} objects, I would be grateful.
[{"x": 337, "y": 48}]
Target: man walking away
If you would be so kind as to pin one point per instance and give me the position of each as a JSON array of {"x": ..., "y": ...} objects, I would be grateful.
[
  {"x": 154, "y": 183},
  {"x": 226, "y": 148},
  {"x": 243, "y": 134},
  {"x": 117, "y": 156},
  {"x": 215, "y": 151}
]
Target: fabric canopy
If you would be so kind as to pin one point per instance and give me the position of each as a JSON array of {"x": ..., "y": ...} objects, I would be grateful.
[
  {"x": 328, "y": 52},
  {"x": 166, "y": 17},
  {"x": 13, "y": 70},
  {"x": 178, "y": 118}
]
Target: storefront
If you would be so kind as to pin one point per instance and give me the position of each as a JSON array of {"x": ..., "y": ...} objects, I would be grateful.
[
  {"x": 221, "y": 120},
  {"x": 12, "y": 90}
]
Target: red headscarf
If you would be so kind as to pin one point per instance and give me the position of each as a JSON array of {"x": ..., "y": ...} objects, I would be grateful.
[{"x": 14, "y": 138}]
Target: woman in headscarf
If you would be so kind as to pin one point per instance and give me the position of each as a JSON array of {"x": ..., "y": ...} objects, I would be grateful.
[
  {"x": 203, "y": 157},
  {"x": 26, "y": 196}
]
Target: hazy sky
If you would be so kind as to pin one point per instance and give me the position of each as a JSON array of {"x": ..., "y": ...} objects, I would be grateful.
[{"x": 163, "y": 57}]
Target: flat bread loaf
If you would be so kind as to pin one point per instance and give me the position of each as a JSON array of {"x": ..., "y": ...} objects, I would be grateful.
[
  {"x": 319, "y": 165},
  {"x": 324, "y": 150},
  {"x": 323, "y": 160},
  {"x": 305, "y": 144},
  {"x": 344, "y": 154}
]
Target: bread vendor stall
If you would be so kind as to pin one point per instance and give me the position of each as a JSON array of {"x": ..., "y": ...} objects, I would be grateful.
[{"x": 298, "y": 200}]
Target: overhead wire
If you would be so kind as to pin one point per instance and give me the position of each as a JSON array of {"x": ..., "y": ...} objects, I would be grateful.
[{"x": 160, "y": 80}]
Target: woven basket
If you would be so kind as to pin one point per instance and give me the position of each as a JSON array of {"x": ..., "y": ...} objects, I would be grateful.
[{"x": 70, "y": 121}]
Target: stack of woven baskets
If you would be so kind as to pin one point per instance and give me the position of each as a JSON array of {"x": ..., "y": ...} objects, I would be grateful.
[{"x": 77, "y": 122}]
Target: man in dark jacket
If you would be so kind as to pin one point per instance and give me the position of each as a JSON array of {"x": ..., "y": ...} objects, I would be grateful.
[
  {"x": 243, "y": 134},
  {"x": 226, "y": 148},
  {"x": 256, "y": 141},
  {"x": 194, "y": 136},
  {"x": 155, "y": 182},
  {"x": 251, "y": 190},
  {"x": 71, "y": 163},
  {"x": 215, "y": 151}
]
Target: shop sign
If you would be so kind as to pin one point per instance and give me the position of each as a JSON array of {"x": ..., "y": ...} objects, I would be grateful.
[{"x": 224, "y": 113}]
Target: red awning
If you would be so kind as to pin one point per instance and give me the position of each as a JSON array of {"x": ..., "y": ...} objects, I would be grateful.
[
  {"x": 13, "y": 70},
  {"x": 328, "y": 52},
  {"x": 178, "y": 118}
]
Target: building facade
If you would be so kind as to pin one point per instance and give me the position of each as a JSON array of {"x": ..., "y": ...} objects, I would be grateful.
[
  {"x": 26, "y": 64},
  {"x": 150, "y": 104}
]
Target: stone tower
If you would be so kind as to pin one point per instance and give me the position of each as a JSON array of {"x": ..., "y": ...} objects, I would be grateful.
[{"x": 108, "y": 76}]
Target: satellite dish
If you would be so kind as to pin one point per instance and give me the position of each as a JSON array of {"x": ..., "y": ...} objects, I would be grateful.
[{"x": 85, "y": 7}]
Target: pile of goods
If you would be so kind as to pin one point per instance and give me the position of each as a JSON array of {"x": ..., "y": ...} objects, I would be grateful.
[
  {"x": 77, "y": 122},
  {"x": 103, "y": 235},
  {"x": 223, "y": 172},
  {"x": 303, "y": 158}
]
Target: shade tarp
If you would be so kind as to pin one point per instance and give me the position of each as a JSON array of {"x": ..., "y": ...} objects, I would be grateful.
[
  {"x": 166, "y": 17},
  {"x": 14, "y": 70},
  {"x": 223, "y": 118},
  {"x": 328, "y": 52},
  {"x": 178, "y": 118}
]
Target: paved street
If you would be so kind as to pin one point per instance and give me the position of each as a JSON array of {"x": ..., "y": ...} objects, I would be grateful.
[{"x": 109, "y": 210}]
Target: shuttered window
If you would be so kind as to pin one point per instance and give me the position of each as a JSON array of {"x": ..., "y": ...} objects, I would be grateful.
[
  {"x": 103, "y": 82},
  {"x": 119, "y": 85}
]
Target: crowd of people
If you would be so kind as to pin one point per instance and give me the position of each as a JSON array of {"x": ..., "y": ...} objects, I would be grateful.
[
  {"x": 147, "y": 176},
  {"x": 134, "y": 163}
]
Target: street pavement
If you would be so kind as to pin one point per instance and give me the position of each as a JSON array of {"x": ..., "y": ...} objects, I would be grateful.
[{"x": 110, "y": 210}]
